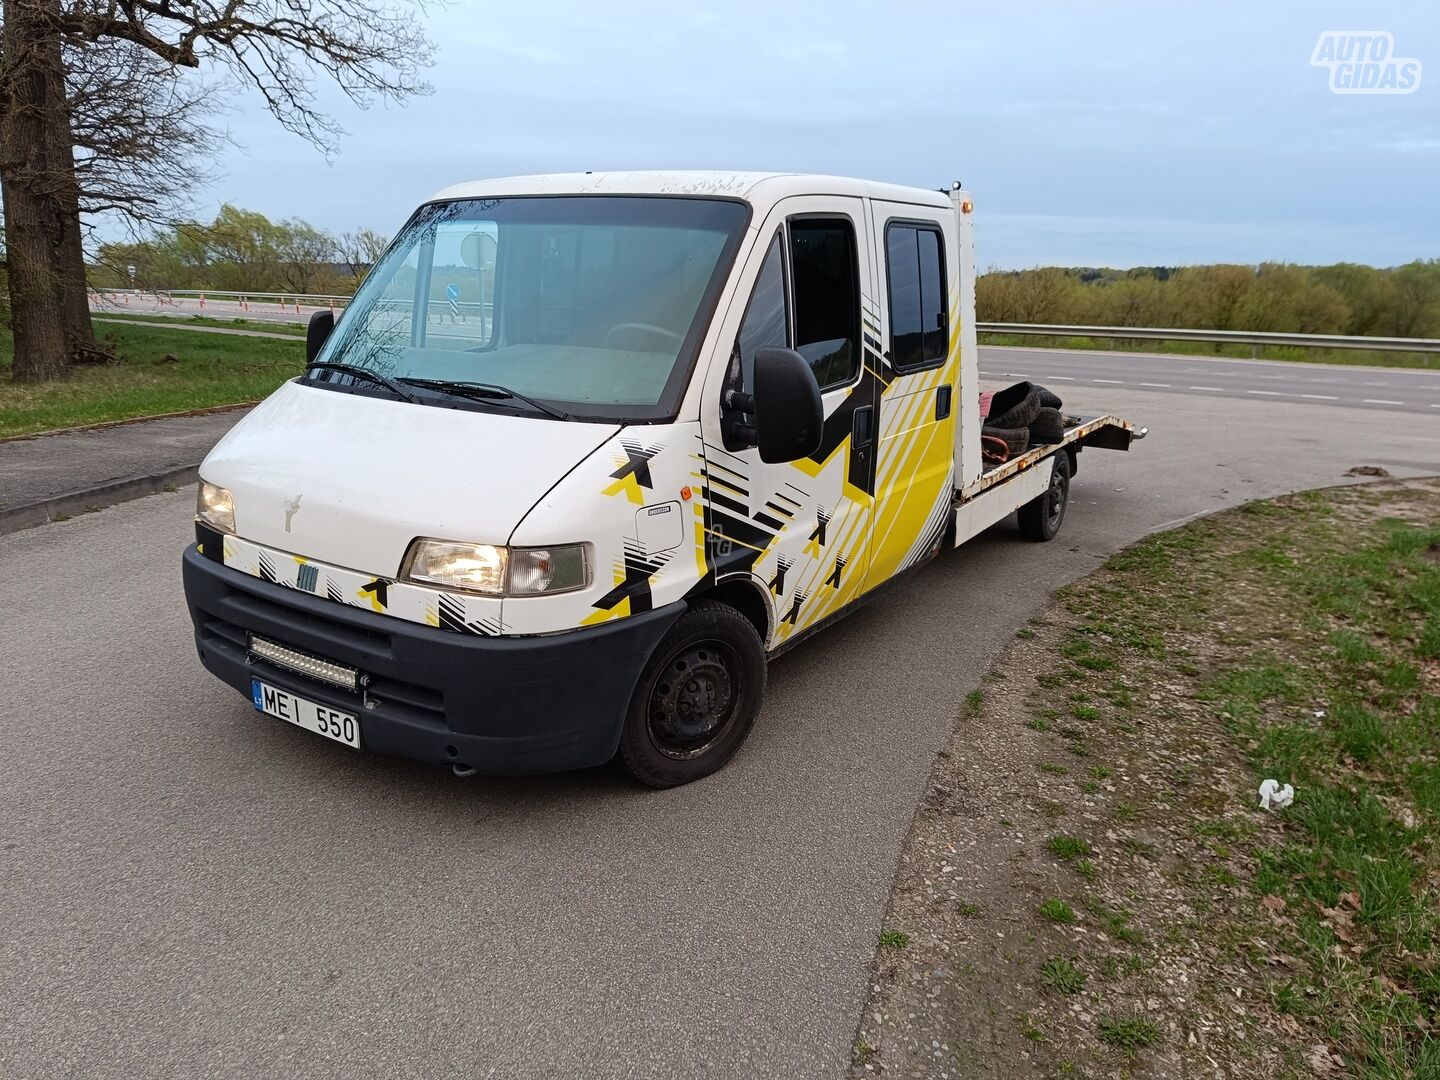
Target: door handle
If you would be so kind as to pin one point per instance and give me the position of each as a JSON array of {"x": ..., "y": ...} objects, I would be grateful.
[
  {"x": 942, "y": 402},
  {"x": 862, "y": 431}
]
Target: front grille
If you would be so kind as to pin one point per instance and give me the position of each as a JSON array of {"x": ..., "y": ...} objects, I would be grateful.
[
  {"x": 371, "y": 641},
  {"x": 398, "y": 697}
]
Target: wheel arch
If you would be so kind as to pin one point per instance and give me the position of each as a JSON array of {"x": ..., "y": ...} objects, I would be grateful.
[{"x": 746, "y": 595}]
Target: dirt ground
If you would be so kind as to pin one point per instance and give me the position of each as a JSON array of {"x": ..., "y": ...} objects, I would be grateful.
[{"x": 1077, "y": 896}]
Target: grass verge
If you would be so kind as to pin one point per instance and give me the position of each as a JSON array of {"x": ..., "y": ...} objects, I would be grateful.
[
  {"x": 1350, "y": 357},
  {"x": 102, "y": 318},
  {"x": 158, "y": 371},
  {"x": 1296, "y": 639}
]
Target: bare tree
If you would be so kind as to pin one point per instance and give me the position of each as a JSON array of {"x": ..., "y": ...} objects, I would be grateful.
[
  {"x": 142, "y": 136},
  {"x": 371, "y": 49},
  {"x": 42, "y": 221}
]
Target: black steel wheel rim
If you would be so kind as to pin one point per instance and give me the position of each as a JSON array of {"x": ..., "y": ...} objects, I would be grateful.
[
  {"x": 693, "y": 699},
  {"x": 1055, "y": 504}
]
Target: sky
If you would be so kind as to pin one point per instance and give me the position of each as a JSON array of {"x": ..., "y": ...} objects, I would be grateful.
[{"x": 1098, "y": 134}]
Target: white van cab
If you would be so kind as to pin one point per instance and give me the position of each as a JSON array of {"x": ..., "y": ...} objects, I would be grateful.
[{"x": 585, "y": 450}]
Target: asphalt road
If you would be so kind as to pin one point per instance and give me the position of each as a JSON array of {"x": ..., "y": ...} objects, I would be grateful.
[
  {"x": 263, "y": 311},
  {"x": 191, "y": 890},
  {"x": 1396, "y": 389},
  {"x": 1391, "y": 389}
]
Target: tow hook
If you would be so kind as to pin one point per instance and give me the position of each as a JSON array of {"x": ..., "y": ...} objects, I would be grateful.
[{"x": 463, "y": 770}]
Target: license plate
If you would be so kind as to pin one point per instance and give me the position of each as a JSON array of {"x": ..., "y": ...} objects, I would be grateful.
[{"x": 321, "y": 719}]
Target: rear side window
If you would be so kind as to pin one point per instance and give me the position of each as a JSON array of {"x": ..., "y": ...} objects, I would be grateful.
[
  {"x": 915, "y": 269},
  {"x": 826, "y": 282}
]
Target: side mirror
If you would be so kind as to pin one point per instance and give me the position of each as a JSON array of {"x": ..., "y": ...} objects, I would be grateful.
[
  {"x": 789, "y": 417},
  {"x": 321, "y": 323}
]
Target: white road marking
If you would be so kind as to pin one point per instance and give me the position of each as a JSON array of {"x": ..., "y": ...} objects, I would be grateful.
[
  {"x": 1067, "y": 378},
  {"x": 1320, "y": 397},
  {"x": 1267, "y": 393},
  {"x": 1381, "y": 401},
  {"x": 1166, "y": 385},
  {"x": 1217, "y": 389},
  {"x": 1112, "y": 382}
]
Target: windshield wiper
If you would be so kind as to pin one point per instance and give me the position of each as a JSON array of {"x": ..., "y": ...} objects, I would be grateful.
[
  {"x": 486, "y": 392},
  {"x": 373, "y": 377}
]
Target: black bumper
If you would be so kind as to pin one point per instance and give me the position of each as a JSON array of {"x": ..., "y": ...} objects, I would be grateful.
[{"x": 499, "y": 705}]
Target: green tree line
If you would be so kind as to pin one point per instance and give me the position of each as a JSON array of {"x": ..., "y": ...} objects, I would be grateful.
[
  {"x": 1344, "y": 298},
  {"x": 240, "y": 251}
]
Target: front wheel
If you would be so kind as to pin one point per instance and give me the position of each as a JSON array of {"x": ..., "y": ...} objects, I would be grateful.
[
  {"x": 1041, "y": 517},
  {"x": 696, "y": 699}
]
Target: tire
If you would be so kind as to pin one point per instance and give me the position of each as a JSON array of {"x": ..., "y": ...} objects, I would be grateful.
[
  {"x": 1007, "y": 399},
  {"x": 1018, "y": 415},
  {"x": 1047, "y": 427},
  {"x": 1017, "y": 439},
  {"x": 675, "y": 731},
  {"x": 1049, "y": 399},
  {"x": 1041, "y": 517}
]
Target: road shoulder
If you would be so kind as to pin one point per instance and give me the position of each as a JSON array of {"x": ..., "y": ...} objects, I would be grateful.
[{"x": 1089, "y": 887}]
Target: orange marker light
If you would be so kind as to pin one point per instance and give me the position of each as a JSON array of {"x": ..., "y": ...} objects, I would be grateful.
[
  {"x": 685, "y": 493},
  {"x": 966, "y": 206}
]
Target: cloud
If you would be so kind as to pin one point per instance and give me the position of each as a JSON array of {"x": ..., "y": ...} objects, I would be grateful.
[{"x": 1124, "y": 133}]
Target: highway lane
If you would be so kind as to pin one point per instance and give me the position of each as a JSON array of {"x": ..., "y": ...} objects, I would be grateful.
[
  {"x": 191, "y": 890},
  {"x": 1391, "y": 389},
  {"x": 264, "y": 311}
]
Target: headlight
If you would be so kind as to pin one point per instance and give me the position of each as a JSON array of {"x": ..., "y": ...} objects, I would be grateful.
[
  {"x": 499, "y": 571},
  {"x": 215, "y": 506},
  {"x": 476, "y": 567}
]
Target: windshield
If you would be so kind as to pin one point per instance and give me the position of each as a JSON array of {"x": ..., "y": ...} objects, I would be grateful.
[{"x": 595, "y": 303}]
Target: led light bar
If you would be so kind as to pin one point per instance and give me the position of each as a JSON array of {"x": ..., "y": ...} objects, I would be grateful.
[{"x": 304, "y": 664}]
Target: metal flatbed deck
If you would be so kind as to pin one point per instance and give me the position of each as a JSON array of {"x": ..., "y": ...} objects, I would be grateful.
[{"x": 1104, "y": 432}]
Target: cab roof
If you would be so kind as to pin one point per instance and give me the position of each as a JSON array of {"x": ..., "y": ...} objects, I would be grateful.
[{"x": 760, "y": 189}]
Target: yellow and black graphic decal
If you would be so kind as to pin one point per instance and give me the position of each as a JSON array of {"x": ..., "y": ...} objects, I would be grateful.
[
  {"x": 209, "y": 542},
  {"x": 451, "y": 614},
  {"x": 632, "y": 476},
  {"x": 377, "y": 591},
  {"x": 631, "y": 594},
  {"x": 399, "y": 599}
]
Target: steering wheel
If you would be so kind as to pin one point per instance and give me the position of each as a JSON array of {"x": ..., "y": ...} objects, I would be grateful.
[{"x": 644, "y": 328}]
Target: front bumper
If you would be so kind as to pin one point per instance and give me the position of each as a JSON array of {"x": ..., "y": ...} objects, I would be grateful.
[{"x": 496, "y": 704}]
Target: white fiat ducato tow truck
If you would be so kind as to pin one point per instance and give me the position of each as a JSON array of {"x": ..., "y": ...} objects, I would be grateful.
[{"x": 584, "y": 451}]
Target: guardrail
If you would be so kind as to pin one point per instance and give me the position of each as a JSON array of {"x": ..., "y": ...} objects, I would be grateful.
[
  {"x": 1231, "y": 337},
  {"x": 310, "y": 299},
  {"x": 295, "y": 301}
]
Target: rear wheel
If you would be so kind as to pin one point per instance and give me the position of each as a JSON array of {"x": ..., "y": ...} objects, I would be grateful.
[
  {"x": 697, "y": 697},
  {"x": 1041, "y": 517}
]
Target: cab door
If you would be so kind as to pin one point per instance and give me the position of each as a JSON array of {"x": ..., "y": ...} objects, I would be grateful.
[
  {"x": 916, "y": 432},
  {"x": 802, "y": 529}
]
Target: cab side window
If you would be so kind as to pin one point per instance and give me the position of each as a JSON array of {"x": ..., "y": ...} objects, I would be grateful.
[
  {"x": 915, "y": 270},
  {"x": 811, "y": 298},
  {"x": 766, "y": 323}
]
